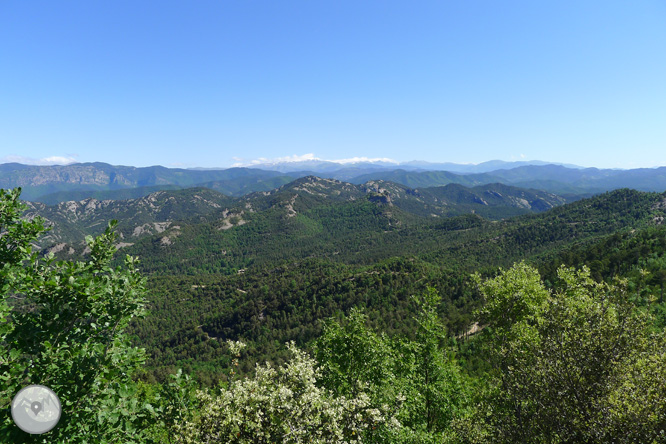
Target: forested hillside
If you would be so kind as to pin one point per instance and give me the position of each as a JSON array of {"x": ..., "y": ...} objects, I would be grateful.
[
  {"x": 269, "y": 267},
  {"x": 381, "y": 320},
  {"x": 309, "y": 206},
  {"x": 71, "y": 221},
  {"x": 281, "y": 296}
]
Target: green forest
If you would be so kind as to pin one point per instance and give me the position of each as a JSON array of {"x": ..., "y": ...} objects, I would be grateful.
[{"x": 336, "y": 320}]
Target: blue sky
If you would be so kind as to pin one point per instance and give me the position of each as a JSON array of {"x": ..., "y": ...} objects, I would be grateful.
[{"x": 217, "y": 83}]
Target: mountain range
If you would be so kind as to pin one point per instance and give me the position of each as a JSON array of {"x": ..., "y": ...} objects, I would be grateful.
[
  {"x": 268, "y": 267},
  {"x": 324, "y": 166},
  {"x": 167, "y": 211},
  {"x": 54, "y": 184}
]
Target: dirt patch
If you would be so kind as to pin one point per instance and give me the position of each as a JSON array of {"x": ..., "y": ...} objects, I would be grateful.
[{"x": 474, "y": 329}]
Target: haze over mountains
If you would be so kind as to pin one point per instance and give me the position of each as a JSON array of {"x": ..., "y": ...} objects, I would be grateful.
[
  {"x": 318, "y": 165},
  {"x": 53, "y": 184}
]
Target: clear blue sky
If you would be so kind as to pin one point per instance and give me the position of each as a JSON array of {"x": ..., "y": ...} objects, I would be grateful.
[{"x": 212, "y": 83}]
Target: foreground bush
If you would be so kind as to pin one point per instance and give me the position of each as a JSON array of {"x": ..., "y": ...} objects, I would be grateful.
[
  {"x": 280, "y": 405},
  {"x": 578, "y": 364},
  {"x": 62, "y": 324}
]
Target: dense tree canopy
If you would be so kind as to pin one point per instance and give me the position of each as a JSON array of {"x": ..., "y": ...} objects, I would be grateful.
[{"x": 379, "y": 347}]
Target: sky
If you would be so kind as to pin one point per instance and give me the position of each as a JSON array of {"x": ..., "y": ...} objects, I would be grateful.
[{"x": 228, "y": 82}]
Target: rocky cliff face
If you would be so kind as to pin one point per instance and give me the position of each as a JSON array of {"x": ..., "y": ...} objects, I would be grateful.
[{"x": 78, "y": 174}]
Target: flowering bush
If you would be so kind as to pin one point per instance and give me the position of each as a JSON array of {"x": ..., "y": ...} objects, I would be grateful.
[{"x": 280, "y": 405}]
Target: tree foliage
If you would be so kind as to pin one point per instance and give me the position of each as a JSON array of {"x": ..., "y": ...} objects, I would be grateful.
[
  {"x": 418, "y": 380},
  {"x": 63, "y": 327},
  {"x": 579, "y": 364}
]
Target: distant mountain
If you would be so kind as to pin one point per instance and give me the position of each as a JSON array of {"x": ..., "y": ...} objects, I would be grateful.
[
  {"x": 555, "y": 179},
  {"x": 484, "y": 167},
  {"x": 416, "y": 179},
  {"x": 493, "y": 201},
  {"x": 325, "y": 217},
  {"x": 333, "y": 168},
  {"x": 248, "y": 184},
  {"x": 53, "y": 184},
  {"x": 322, "y": 166},
  {"x": 56, "y": 182},
  {"x": 558, "y": 179}
]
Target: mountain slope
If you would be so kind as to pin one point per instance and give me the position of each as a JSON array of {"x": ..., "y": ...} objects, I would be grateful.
[
  {"x": 292, "y": 271},
  {"x": 71, "y": 221},
  {"x": 425, "y": 179},
  {"x": 307, "y": 217},
  {"x": 266, "y": 268},
  {"x": 291, "y": 224},
  {"x": 40, "y": 181},
  {"x": 120, "y": 194}
]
